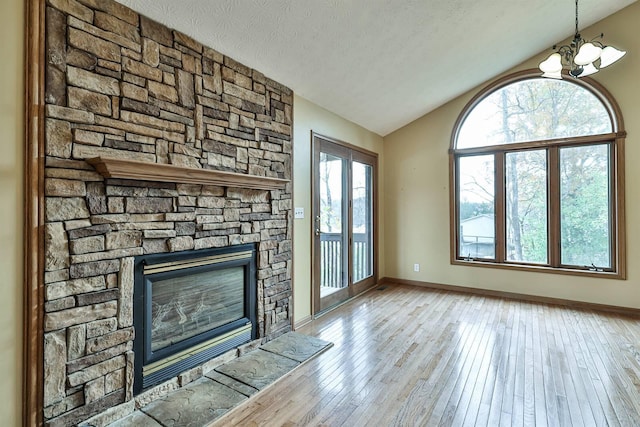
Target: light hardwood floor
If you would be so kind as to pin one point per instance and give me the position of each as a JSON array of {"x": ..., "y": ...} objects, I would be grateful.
[{"x": 409, "y": 356}]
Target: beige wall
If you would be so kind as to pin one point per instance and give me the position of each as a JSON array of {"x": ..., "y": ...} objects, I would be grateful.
[
  {"x": 11, "y": 170},
  {"x": 417, "y": 191},
  {"x": 309, "y": 117}
]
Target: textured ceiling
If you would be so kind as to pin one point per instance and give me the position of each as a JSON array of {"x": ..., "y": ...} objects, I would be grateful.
[{"x": 378, "y": 63}]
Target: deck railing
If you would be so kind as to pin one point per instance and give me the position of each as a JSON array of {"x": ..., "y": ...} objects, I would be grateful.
[
  {"x": 477, "y": 246},
  {"x": 331, "y": 265}
]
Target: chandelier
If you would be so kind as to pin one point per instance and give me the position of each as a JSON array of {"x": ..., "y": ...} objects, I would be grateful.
[{"x": 581, "y": 57}]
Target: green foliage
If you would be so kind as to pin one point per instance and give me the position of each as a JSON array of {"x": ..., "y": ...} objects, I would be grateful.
[
  {"x": 526, "y": 191},
  {"x": 585, "y": 206}
]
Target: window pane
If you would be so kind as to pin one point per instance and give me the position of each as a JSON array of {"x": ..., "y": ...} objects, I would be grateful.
[
  {"x": 585, "y": 206},
  {"x": 332, "y": 227},
  {"x": 533, "y": 110},
  {"x": 362, "y": 221},
  {"x": 526, "y": 215},
  {"x": 476, "y": 202}
]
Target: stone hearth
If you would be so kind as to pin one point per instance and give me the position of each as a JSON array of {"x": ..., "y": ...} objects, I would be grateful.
[
  {"x": 119, "y": 85},
  {"x": 220, "y": 389}
]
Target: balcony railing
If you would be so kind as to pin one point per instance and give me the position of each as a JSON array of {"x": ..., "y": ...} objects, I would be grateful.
[
  {"x": 477, "y": 246},
  {"x": 331, "y": 264}
]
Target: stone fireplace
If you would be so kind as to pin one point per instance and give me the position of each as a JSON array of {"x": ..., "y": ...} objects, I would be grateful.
[
  {"x": 158, "y": 150},
  {"x": 190, "y": 307}
]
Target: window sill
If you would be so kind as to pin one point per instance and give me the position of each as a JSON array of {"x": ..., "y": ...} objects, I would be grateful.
[{"x": 542, "y": 269}]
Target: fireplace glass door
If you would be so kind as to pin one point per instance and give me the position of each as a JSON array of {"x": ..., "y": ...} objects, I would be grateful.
[
  {"x": 185, "y": 306},
  {"x": 190, "y": 307}
]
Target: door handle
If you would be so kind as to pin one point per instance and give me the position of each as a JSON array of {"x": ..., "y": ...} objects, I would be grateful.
[{"x": 318, "y": 225}]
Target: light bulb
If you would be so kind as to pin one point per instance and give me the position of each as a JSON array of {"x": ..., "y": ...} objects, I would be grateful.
[
  {"x": 588, "y": 70},
  {"x": 587, "y": 54},
  {"x": 610, "y": 55},
  {"x": 553, "y": 75},
  {"x": 553, "y": 64}
]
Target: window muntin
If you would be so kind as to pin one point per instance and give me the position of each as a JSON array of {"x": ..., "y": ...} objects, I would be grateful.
[
  {"x": 534, "y": 110},
  {"x": 546, "y": 216}
]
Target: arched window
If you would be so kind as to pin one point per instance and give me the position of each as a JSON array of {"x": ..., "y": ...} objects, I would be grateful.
[{"x": 538, "y": 178}]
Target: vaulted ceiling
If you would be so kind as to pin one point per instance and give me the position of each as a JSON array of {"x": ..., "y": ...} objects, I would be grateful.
[{"x": 378, "y": 63}]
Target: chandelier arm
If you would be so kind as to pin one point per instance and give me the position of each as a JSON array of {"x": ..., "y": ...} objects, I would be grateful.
[{"x": 566, "y": 53}]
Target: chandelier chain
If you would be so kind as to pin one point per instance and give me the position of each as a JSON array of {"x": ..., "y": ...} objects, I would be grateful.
[{"x": 576, "y": 17}]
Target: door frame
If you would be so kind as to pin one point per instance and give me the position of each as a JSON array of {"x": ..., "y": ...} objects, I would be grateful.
[{"x": 352, "y": 153}]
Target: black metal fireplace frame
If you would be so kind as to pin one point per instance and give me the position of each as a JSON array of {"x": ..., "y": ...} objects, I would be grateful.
[{"x": 142, "y": 311}]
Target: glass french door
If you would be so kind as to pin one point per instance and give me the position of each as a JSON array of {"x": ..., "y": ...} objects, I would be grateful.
[{"x": 343, "y": 222}]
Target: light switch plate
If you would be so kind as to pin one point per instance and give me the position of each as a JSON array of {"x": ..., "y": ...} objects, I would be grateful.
[{"x": 298, "y": 213}]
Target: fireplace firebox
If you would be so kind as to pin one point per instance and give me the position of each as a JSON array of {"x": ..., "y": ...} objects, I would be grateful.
[{"x": 190, "y": 307}]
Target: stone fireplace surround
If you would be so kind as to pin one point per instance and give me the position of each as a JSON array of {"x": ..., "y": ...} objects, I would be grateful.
[{"x": 121, "y": 86}]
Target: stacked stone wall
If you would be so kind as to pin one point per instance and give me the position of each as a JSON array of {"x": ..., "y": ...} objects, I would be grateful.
[{"x": 120, "y": 85}]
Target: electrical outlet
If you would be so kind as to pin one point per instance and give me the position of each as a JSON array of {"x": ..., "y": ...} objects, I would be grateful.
[
  {"x": 298, "y": 213},
  {"x": 416, "y": 267}
]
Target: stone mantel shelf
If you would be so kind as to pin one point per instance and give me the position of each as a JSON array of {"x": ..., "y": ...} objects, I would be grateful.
[{"x": 136, "y": 170}]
